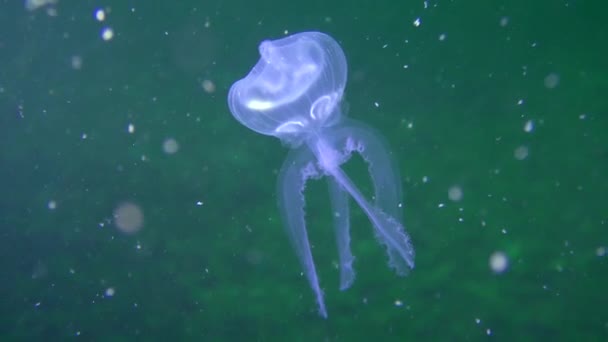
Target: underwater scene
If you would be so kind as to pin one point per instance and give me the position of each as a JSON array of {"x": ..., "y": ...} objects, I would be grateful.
[{"x": 303, "y": 171}]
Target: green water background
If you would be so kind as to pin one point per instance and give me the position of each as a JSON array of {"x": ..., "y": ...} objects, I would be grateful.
[{"x": 212, "y": 262}]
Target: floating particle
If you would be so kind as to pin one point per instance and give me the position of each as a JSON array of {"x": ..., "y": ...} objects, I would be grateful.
[
  {"x": 76, "y": 62},
  {"x": 52, "y": 205},
  {"x": 499, "y": 262},
  {"x": 455, "y": 193},
  {"x": 417, "y": 22},
  {"x": 131, "y": 128},
  {"x": 521, "y": 153},
  {"x": 170, "y": 146},
  {"x": 504, "y": 21},
  {"x": 110, "y": 292},
  {"x": 551, "y": 80},
  {"x": 128, "y": 217},
  {"x": 32, "y": 5},
  {"x": 107, "y": 33},
  {"x": 442, "y": 37},
  {"x": 100, "y": 15},
  {"x": 208, "y": 86},
  {"x": 529, "y": 126}
]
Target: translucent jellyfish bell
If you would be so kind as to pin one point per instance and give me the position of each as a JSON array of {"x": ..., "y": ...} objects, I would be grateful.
[{"x": 294, "y": 89}]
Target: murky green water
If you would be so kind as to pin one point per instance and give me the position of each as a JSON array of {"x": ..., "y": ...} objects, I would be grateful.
[{"x": 496, "y": 113}]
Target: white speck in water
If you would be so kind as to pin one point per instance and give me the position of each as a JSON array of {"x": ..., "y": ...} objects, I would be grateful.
[
  {"x": 455, "y": 193},
  {"x": 551, "y": 81},
  {"x": 521, "y": 152},
  {"x": 107, "y": 33},
  {"x": 440, "y": 205},
  {"x": 442, "y": 37},
  {"x": 131, "y": 128},
  {"x": 110, "y": 292},
  {"x": 199, "y": 203},
  {"x": 32, "y": 5},
  {"x": 529, "y": 126},
  {"x": 582, "y": 116},
  {"x": 76, "y": 62},
  {"x": 504, "y": 21},
  {"x": 170, "y": 146},
  {"x": 425, "y": 179},
  {"x": 52, "y": 205},
  {"x": 398, "y": 303},
  {"x": 376, "y": 104},
  {"x": 477, "y": 320},
  {"x": 417, "y": 22},
  {"x": 405, "y": 66},
  {"x": 100, "y": 15},
  {"x": 499, "y": 262},
  {"x": 600, "y": 251},
  {"x": 488, "y": 331},
  {"x": 128, "y": 217},
  {"x": 208, "y": 86},
  {"x": 520, "y": 102}
]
